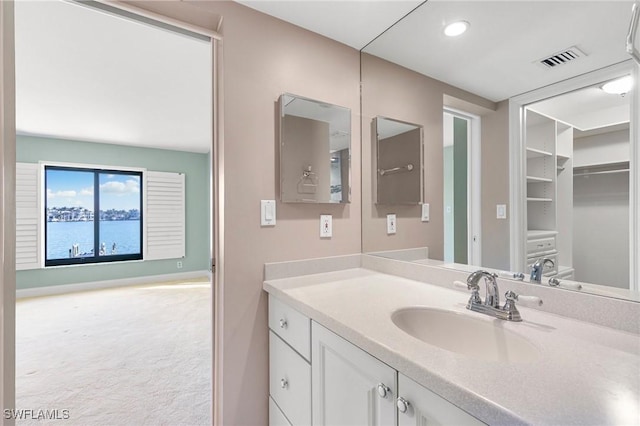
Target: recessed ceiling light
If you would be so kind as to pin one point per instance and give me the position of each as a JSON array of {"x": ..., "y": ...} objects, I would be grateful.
[
  {"x": 456, "y": 28},
  {"x": 618, "y": 86}
]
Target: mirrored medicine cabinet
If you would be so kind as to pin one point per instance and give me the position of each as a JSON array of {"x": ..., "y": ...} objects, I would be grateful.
[
  {"x": 399, "y": 167},
  {"x": 315, "y": 151}
]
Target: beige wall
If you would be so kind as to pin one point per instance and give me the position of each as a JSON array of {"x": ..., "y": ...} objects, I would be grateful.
[
  {"x": 399, "y": 151},
  {"x": 495, "y": 186},
  {"x": 395, "y": 92},
  {"x": 264, "y": 57}
]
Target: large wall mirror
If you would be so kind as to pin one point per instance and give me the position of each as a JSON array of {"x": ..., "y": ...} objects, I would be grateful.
[
  {"x": 527, "y": 153},
  {"x": 315, "y": 151}
]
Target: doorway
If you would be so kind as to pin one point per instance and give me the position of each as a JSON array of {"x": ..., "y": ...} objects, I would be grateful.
[
  {"x": 145, "y": 18},
  {"x": 461, "y": 186},
  {"x": 527, "y": 189}
]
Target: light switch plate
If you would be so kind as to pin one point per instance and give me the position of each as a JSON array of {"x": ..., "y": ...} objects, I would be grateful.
[
  {"x": 391, "y": 224},
  {"x": 326, "y": 226},
  {"x": 501, "y": 211},
  {"x": 267, "y": 212},
  {"x": 425, "y": 212}
]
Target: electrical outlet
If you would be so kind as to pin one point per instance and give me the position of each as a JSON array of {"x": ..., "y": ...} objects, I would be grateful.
[
  {"x": 325, "y": 226},
  {"x": 391, "y": 224},
  {"x": 179, "y": 265}
]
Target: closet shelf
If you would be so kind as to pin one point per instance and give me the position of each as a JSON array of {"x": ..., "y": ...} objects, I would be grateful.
[
  {"x": 545, "y": 200},
  {"x": 534, "y": 153},
  {"x": 536, "y": 179}
]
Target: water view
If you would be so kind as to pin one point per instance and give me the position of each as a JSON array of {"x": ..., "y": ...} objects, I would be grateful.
[{"x": 62, "y": 236}]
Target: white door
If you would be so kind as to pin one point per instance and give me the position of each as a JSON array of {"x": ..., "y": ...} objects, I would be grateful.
[
  {"x": 349, "y": 386},
  {"x": 418, "y": 406}
]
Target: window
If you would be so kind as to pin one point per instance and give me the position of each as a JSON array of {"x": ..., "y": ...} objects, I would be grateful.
[{"x": 92, "y": 215}]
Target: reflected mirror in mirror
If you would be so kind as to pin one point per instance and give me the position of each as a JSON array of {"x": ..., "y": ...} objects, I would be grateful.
[
  {"x": 315, "y": 151},
  {"x": 399, "y": 171},
  {"x": 582, "y": 187}
]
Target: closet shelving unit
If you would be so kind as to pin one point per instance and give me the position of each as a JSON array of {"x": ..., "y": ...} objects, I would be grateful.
[{"x": 549, "y": 146}]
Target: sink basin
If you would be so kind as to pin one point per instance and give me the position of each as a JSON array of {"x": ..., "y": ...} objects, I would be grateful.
[{"x": 483, "y": 339}]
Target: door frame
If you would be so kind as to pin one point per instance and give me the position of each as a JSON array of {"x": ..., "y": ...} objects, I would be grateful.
[
  {"x": 517, "y": 159},
  {"x": 7, "y": 210},
  {"x": 7, "y": 199},
  {"x": 474, "y": 183}
]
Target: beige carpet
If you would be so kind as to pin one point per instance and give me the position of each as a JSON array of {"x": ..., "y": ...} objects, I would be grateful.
[{"x": 127, "y": 356}]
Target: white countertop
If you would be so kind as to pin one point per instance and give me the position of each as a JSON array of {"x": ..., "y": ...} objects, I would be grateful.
[{"x": 586, "y": 374}]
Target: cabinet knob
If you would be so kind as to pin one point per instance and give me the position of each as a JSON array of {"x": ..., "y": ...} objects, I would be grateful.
[
  {"x": 284, "y": 383},
  {"x": 383, "y": 390},
  {"x": 283, "y": 323},
  {"x": 403, "y": 405}
]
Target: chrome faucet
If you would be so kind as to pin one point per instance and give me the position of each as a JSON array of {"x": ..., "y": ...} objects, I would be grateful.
[
  {"x": 492, "y": 298},
  {"x": 538, "y": 267},
  {"x": 491, "y": 305}
]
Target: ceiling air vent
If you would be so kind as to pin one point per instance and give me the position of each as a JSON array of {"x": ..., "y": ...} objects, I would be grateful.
[{"x": 563, "y": 57}]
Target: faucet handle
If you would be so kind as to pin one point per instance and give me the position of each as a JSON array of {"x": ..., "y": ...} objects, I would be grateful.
[
  {"x": 475, "y": 296},
  {"x": 464, "y": 286},
  {"x": 526, "y": 300},
  {"x": 554, "y": 282}
]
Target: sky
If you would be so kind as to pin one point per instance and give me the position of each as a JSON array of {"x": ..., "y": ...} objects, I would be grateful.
[{"x": 75, "y": 189}]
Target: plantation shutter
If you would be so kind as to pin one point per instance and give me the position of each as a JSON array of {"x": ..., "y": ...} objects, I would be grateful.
[
  {"x": 164, "y": 216},
  {"x": 28, "y": 216}
]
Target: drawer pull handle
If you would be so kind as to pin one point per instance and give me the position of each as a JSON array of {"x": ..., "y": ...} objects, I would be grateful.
[
  {"x": 284, "y": 383},
  {"x": 403, "y": 405},
  {"x": 540, "y": 245},
  {"x": 383, "y": 390},
  {"x": 283, "y": 323}
]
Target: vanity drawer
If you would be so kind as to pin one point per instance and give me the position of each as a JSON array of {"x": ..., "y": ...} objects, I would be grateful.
[
  {"x": 291, "y": 325},
  {"x": 541, "y": 245},
  {"x": 289, "y": 381},
  {"x": 276, "y": 417}
]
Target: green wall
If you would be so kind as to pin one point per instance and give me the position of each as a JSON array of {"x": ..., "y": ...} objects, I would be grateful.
[
  {"x": 448, "y": 203},
  {"x": 460, "y": 190},
  {"x": 31, "y": 149}
]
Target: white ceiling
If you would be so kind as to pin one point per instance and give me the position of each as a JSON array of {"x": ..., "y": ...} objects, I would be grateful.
[
  {"x": 387, "y": 127},
  {"x": 497, "y": 57},
  {"x": 354, "y": 23},
  {"x": 87, "y": 75},
  {"x": 587, "y": 109},
  {"x": 339, "y": 118}
]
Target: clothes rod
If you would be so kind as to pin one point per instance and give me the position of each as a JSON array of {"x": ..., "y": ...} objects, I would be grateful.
[{"x": 604, "y": 172}]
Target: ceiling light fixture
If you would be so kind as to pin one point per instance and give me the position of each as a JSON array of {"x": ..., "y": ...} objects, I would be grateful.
[
  {"x": 456, "y": 28},
  {"x": 619, "y": 86}
]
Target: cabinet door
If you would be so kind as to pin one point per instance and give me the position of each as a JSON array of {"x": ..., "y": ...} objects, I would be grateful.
[
  {"x": 346, "y": 382},
  {"x": 426, "y": 408}
]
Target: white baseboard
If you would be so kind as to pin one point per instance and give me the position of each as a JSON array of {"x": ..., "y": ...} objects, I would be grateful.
[{"x": 96, "y": 285}]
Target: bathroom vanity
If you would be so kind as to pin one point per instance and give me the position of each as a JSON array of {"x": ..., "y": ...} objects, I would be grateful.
[{"x": 359, "y": 346}]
